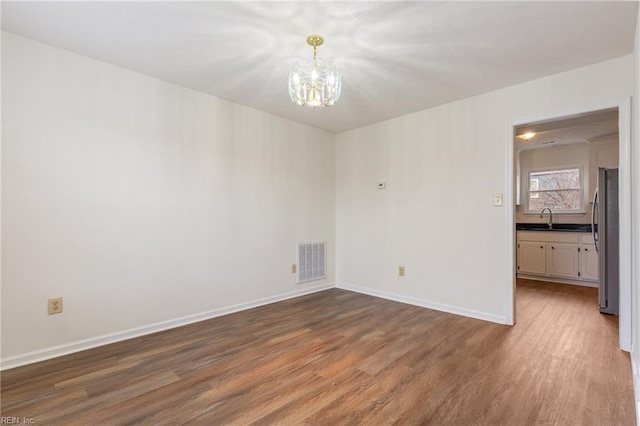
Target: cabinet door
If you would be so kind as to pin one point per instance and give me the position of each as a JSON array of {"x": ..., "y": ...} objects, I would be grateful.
[
  {"x": 562, "y": 260},
  {"x": 531, "y": 258},
  {"x": 588, "y": 263}
]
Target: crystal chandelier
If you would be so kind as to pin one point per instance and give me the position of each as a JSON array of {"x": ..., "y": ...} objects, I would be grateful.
[{"x": 314, "y": 83}]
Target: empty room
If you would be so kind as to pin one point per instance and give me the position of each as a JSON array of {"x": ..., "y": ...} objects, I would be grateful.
[{"x": 236, "y": 212}]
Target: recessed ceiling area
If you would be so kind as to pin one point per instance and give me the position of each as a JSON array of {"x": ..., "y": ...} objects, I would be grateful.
[
  {"x": 580, "y": 128},
  {"x": 395, "y": 57}
]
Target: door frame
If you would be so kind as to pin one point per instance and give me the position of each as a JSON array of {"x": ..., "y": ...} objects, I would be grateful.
[{"x": 624, "y": 158}]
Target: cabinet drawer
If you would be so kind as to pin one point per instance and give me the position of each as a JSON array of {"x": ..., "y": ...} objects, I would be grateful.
[
  {"x": 586, "y": 239},
  {"x": 549, "y": 236}
]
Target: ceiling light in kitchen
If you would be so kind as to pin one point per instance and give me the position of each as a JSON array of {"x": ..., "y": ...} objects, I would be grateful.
[{"x": 526, "y": 136}]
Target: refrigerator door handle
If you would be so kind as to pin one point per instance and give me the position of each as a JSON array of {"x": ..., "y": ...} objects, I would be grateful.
[{"x": 593, "y": 218}]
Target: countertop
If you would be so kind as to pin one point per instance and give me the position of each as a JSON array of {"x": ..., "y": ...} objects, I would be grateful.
[{"x": 557, "y": 227}]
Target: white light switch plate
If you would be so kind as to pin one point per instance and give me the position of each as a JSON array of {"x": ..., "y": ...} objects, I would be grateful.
[{"x": 497, "y": 200}]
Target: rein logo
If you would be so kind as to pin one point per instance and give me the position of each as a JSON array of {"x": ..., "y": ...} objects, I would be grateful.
[{"x": 16, "y": 421}]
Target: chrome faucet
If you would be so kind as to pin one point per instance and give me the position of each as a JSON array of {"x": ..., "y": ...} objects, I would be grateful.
[{"x": 550, "y": 217}]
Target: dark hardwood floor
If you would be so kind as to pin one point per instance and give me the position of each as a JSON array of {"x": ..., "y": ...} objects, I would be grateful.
[{"x": 338, "y": 357}]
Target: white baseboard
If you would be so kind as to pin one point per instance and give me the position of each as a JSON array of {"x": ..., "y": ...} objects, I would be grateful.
[
  {"x": 558, "y": 280},
  {"x": 425, "y": 303},
  {"x": 56, "y": 351}
]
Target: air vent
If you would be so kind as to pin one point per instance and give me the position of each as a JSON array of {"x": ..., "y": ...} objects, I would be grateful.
[{"x": 311, "y": 261}]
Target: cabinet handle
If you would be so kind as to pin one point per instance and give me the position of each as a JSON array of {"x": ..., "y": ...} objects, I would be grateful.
[
  {"x": 541, "y": 246},
  {"x": 553, "y": 248},
  {"x": 586, "y": 249}
]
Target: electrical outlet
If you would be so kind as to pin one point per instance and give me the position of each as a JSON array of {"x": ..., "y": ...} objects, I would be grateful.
[
  {"x": 294, "y": 268},
  {"x": 401, "y": 271},
  {"x": 55, "y": 305}
]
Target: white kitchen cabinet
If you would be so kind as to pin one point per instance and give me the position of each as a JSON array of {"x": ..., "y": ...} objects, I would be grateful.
[
  {"x": 557, "y": 256},
  {"x": 588, "y": 258},
  {"x": 562, "y": 260},
  {"x": 588, "y": 262},
  {"x": 531, "y": 258}
]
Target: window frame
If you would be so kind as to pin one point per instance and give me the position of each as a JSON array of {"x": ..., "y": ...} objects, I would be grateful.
[{"x": 582, "y": 189}]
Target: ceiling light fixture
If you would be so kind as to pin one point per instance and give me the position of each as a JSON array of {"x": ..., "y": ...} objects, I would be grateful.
[
  {"x": 314, "y": 83},
  {"x": 526, "y": 136}
]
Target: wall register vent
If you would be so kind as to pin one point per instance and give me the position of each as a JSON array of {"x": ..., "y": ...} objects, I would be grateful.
[{"x": 311, "y": 261}]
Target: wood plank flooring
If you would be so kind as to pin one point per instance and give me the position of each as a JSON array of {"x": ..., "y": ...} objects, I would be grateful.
[{"x": 338, "y": 357}]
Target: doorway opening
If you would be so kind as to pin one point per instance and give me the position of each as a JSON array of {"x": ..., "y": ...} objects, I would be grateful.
[{"x": 554, "y": 167}]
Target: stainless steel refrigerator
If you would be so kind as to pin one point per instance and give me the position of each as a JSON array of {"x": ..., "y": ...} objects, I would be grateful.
[{"x": 605, "y": 229}]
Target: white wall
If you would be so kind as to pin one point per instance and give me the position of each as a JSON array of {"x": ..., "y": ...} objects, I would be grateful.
[
  {"x": 144, "y": 204},
  {"x": 599, "y": 153},
  {"x": 442, "y": 167}
]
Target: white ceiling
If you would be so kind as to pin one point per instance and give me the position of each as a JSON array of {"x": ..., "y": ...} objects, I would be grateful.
[
  {"x": 395, "y": 57},
  {"x": 580, "y": 128}
]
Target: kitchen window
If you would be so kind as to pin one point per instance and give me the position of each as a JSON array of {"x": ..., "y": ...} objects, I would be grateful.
[{"x": 561, "y": 190}]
